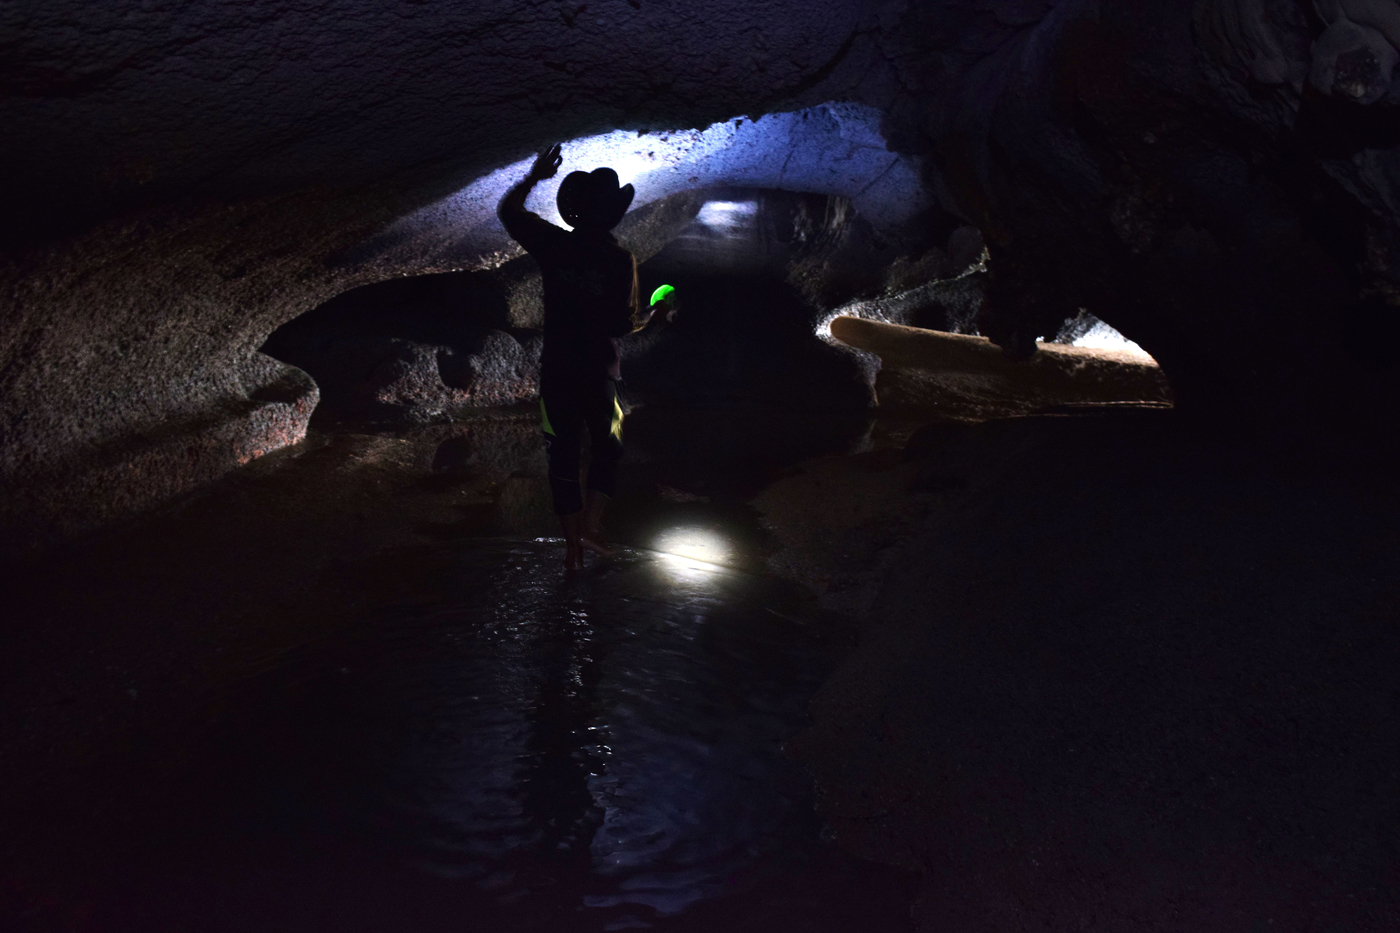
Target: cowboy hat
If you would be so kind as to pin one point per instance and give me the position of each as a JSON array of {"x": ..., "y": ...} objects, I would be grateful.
[{"x": 594, "y": 199}]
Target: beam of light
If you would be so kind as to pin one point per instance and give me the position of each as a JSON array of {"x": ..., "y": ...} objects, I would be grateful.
[
  {"x": 692, "y": 553},
  {"x": 833, "y": 148}
]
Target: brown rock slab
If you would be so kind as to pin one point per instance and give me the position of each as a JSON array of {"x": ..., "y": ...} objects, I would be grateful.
[{"x": 969, "y": 378}]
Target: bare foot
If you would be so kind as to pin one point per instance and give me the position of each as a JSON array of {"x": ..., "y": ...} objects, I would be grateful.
[{"x": 593, "y": 541}]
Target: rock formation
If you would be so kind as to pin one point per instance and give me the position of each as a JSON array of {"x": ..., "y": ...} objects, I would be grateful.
[
  {"x": 183, "y": 184},
  {"x": 1212, "y": 179}
]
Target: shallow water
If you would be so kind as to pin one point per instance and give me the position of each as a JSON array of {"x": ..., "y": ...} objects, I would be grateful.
[{"x": 516, "y": 750}]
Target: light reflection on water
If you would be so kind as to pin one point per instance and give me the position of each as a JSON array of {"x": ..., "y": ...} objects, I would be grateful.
[
  {"x": 674, "y": 742},
  {"x": 605, "y": 749}
]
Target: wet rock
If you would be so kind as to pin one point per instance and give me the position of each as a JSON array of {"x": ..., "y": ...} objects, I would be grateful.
[
  {"x": 820, "y": 244},
  {"x": 1355, "y": 56},
  {"x": 502, "y": 371},
  {"x": 495, "y": 444}
]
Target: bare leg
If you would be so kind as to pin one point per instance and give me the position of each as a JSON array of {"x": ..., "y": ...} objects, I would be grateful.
[
  {"x": 573, "y": 547},
  {"x": 593, "y": 524}
]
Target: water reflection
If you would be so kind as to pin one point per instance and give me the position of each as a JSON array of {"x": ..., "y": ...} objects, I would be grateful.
[
  {"x": 624, "y": 741},
  {"x": 553, "y": 754}
]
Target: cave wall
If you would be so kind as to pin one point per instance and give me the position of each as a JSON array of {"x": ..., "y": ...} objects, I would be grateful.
[
  {"x": 1173, "y": 168},
  {"x": 1215, "y": 180},
  {"x": 188, "y": 178}
]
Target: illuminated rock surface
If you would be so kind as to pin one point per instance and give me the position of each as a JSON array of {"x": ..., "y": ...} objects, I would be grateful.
[
  {"x": 185, "y": 183},
  {"x": 943, "y": 374},
  {"x": 188, "y": 182}
]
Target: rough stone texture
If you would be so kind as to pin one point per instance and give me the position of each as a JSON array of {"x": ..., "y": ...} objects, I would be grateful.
[
  {"x": 947, "y": 304},
  {"x": 1165, "y": 166},
  {"x": 126, "y": 477},
  {"x": 833, "y": 149},
  {"x": 426, "y": 348},
  {"x": 413, "y": 351},
  {"x": 1216, "y": 180},
  {"x": 186, "y": 180},
  {"x": 819, "y": 244},
  {"x": 398, "y": 383},
  {"x": 128, "y": 103}
]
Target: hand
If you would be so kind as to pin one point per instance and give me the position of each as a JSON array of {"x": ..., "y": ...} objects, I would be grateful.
[{"x": 548, "y": 162}]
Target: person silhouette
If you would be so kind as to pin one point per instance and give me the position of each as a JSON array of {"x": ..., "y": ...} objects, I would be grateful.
[{"x": 591, "y": 298}]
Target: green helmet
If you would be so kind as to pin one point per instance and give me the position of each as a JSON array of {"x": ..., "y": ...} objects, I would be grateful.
[{"x": 661, "y": 294}]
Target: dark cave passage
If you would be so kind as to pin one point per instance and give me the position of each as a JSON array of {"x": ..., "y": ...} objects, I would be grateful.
[
  {"x": 448, "y": 729},
  {"x": 939, "y": 605}
]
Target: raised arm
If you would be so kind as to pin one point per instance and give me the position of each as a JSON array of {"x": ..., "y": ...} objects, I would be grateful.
[{"x": 512, "y": 207}]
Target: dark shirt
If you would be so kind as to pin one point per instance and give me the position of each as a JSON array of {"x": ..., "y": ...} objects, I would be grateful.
[{"x": 590, "y": 295}]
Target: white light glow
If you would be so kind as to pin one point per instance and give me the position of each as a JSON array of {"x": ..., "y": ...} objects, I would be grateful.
[
  {"x": 1103, "y": 337},
  {"x": 727, "y": 215},
  {"x": 690, "y": 553}
]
